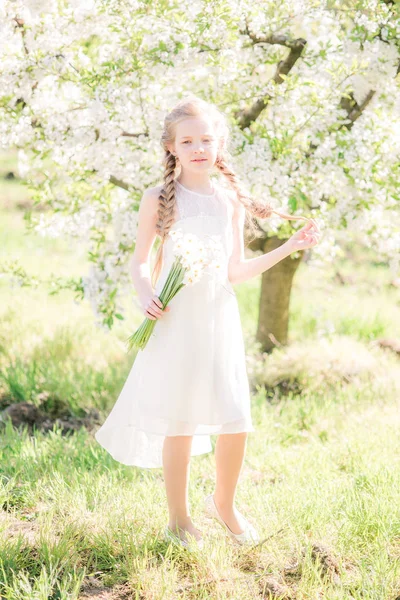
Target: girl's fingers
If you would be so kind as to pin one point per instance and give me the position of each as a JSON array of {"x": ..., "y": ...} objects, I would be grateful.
[
  {"x": 315, "y": 224},
  {"x": 154, "y": 309},
  {"x": 314, "y": 238},
  {"x": 150, "y": 312},
  {"x": 311, "y": 224},
  {"x": 310, "y": 227},
  {"x": 307, "y": 229},
  {"x": 157, "y": 301},
  {"x": 159, "y": 304}
]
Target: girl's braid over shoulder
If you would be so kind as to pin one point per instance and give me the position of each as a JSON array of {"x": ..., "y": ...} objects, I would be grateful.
[
  {"x": 166, "y": 211},
  {"x": 166, "y": 199},
  {"x": 252, "y": 206},
  {"x": 256, "y": 208}
]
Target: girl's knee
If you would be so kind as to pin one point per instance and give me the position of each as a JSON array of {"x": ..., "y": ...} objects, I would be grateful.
[{"x": 178, "y": 440}]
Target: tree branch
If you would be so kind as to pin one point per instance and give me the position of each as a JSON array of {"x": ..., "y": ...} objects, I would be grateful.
[
  {"x": 353, "y": 109},
  {"x": 248, "y": 115},
  {"x": 120, "y": 183},
  {"x": 134, "y": 135},
  {"x": 275, "y": 38}
]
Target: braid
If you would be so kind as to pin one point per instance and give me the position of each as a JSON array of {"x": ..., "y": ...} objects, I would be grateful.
[
  {"x": 252, "y": 206},
  {"x": 166, "y": 210}
]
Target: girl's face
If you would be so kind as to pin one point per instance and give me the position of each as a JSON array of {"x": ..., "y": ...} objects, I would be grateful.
[{"x": 196, "y": 144}]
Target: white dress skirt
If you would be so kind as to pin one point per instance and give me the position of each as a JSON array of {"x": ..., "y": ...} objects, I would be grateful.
[{"x": 190, "y": 379}]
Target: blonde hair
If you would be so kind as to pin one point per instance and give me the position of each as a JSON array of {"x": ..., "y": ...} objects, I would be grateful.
[{"x": 193, "y": 107}]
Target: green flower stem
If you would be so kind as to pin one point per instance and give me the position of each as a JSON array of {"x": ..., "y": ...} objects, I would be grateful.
[{"x": 171, "y": 287}]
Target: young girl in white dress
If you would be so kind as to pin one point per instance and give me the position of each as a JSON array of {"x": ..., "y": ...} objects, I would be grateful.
[{"x": 190, "y": 380}]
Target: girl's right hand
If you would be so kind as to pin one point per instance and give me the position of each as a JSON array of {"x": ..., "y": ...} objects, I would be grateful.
[
  {"x": 153, "y": 308},
  {"x": 306, "y": 237}
]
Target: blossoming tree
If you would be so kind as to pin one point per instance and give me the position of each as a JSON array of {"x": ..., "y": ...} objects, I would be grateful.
[{"x": 311, "y": 90}]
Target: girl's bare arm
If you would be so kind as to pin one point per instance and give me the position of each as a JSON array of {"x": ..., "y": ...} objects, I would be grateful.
[
  {"x": 139, "y": 265},
  {"x": 241, "y": 269}
]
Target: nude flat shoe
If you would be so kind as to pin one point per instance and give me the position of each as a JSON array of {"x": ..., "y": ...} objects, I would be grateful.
[
  {"x": 173, "y": 537},
  {"x": 248, "y": 537}
]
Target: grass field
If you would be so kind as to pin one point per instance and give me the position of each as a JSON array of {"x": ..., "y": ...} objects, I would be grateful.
[{"x": 321, "y": 478}]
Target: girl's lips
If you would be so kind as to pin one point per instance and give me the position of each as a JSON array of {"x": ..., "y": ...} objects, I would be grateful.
[{"x": 199, "y": 160}]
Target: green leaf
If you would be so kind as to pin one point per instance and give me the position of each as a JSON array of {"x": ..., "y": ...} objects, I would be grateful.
[{"x": 292, "y": 202}]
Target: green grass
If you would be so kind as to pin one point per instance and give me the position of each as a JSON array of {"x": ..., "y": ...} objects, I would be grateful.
[{"x": 321, "y": 469}]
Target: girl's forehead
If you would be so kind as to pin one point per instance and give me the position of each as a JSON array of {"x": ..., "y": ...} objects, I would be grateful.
[{"x": 193, "y": 126}]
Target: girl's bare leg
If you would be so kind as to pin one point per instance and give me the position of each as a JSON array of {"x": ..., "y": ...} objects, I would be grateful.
[
  {"x": 229, "y": 455},
  {"x": 176, "y": 466}
]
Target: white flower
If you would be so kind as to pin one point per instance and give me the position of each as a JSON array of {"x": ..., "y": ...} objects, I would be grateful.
[
  {"x": 216, "y": 266},
  {"x": 190, "y": 278},
  {"x": 175, "y": 234},
  {"x": 190, "y": 238},
  {"x": 81, "y": 124}
]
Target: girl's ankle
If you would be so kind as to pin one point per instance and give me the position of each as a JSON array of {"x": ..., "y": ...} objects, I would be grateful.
[
  {"x": 223, "y": 505},
  {"x": 181, "y": 524}
]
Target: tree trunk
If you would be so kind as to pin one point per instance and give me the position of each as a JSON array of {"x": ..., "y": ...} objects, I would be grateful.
[{"x": 276, "y": 285}]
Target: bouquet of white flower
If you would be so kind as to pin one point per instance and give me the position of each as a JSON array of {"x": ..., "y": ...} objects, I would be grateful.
[{"x": 192, "y": 258}]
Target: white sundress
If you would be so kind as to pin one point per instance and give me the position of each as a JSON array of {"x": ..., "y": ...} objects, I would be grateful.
[{"x": 191, "y": 378}]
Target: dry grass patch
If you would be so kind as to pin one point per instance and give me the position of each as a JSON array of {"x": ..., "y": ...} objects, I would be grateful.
[{"x": 319, "y": 365}]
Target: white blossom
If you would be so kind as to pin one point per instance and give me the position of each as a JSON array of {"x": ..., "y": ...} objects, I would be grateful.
[{"x": 75, "y": 77}]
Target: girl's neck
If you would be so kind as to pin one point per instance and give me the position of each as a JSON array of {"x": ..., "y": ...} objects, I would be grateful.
[{"x": 200, "y": 185}]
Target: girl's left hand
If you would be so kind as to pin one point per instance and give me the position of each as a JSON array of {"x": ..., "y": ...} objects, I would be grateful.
[{"x": 307, "y": 237}]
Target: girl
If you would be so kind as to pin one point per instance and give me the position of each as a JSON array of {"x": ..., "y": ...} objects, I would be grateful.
[{"x": 190, "y": 380}]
